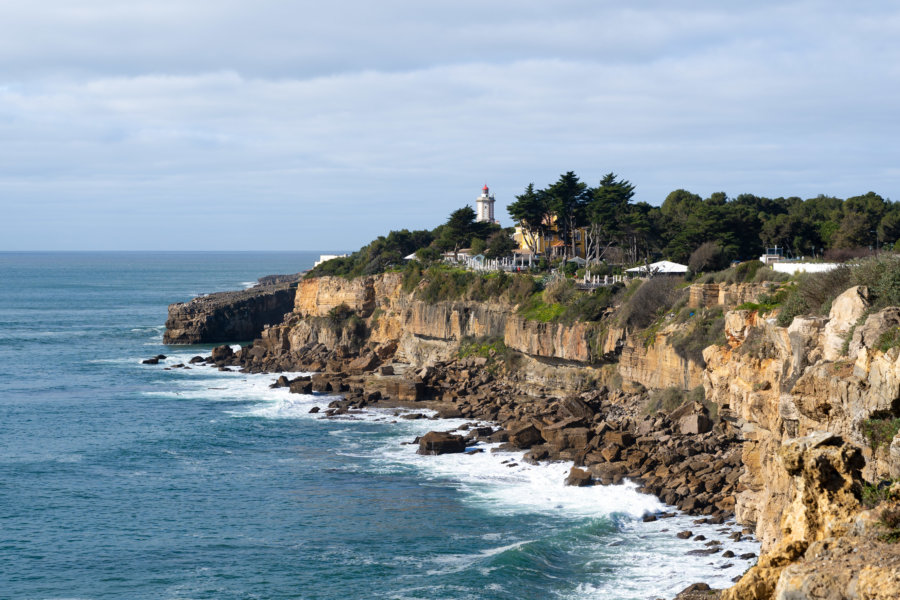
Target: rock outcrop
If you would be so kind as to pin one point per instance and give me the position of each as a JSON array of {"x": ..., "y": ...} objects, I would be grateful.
[
  {"x": 228, "y": 316},
  {"x": 777, "y": 383},
  {"x": 828, "y": 547}
]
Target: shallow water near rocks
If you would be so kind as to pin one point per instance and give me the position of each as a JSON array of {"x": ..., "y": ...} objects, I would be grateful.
[{"x": 123, "y": 480}]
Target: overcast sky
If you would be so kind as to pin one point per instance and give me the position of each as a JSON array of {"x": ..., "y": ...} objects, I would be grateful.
[{"x": 276, "y": 125}]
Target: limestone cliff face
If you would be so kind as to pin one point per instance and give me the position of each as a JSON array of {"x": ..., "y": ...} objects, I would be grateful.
[
  {"x": 316, "y": 297},
  {"x": 708, "y": 295},
  {"x": 656, "y": 365},
  {"x": 827, "y": 546},
  {"x": 778, "y": 383},
  {"x": 228, "y": 316},
  {"x": 576, "y": 342},
  {"x": 426, "y": 333}
]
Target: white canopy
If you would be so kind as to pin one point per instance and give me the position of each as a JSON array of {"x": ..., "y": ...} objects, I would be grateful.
[
  {"x": 662, "y": 267},
  {"x": 577, "y": 260}
]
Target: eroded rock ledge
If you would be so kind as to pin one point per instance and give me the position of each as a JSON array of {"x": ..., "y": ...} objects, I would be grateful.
[{"x": 229, "y": 316}]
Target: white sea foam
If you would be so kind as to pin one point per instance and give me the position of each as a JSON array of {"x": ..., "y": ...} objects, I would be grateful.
[{"x": 652, "y": 560}]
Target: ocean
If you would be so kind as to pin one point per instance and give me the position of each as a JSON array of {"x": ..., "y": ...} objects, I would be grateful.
[{"x": 124, "y": 480}]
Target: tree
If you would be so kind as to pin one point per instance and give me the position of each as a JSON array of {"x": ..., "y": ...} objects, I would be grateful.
[
  {"x": 608, "y": 215},
  {"x": 457, "y": 232},
  {"x": 708, "y": 256},
  {"x": 531, "y": 211},
  {"x": 567, "y": 199},
  {"x": 500, "y": 244}
]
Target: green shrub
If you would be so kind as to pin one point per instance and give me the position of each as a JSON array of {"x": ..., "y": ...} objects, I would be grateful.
[
  {"x": 412, "y": 275},
  {"x": 649, "y": 301},
  {"x": 483, "y": 347},
  {"x": 536, "y": 309},
  {"x": 880, "y": 432},
  {"x": 794, "y": 305},
  {"x": 665, "y": 400},
  {"x": 588, "y": 306},
  {"x": 874, "y": 494},
  {"x": 706, "y": 328},
  {"x": 889, "y": 339}
]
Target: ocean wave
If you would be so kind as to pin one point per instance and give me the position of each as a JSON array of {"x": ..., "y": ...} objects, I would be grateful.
[{"x": 606, "y": 528}]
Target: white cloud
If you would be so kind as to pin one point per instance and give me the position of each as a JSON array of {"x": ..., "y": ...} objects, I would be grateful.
[{"x": 205, "y": 118}]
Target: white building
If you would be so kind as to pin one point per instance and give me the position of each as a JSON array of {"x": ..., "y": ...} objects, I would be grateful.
[{"x": 485, "y": 206}]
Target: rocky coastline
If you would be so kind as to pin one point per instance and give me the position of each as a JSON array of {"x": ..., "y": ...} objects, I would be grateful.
[{"x": 552, "y": 395}]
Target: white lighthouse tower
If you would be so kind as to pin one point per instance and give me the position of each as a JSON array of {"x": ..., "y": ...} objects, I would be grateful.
[{"x": 485, "y": 204}]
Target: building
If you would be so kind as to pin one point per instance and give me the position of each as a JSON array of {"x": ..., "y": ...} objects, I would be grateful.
[
  {"x": 485, "y": 206},
  {"x": 551, "y": 244}
]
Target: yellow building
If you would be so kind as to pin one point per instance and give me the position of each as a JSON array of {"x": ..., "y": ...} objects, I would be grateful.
[{"x": 551, "y": 243}]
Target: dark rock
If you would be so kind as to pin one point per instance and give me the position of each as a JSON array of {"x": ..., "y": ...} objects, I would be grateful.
[
  {"x": 299, "y": 386},
  {"x": 228, "y": 316},
  {"x": 366, "y": 362},
  {"x": 695, "y": 424},
  {"x": 223, "y": 352},
  {"x": 579, "y": 478},
  {"x": 150, "y": 361},
  {"x": 703, "y": 551},
  {"x": 441, "y": 442},
  {"x": 314, "y": 409},
  {"x": 525, "y": 436},
  {"x": 196, "y": 359},
  {"x": 281, "y": 382},
  {"x": 683, "y": 535},
  {"x": 575, "y": 407}
]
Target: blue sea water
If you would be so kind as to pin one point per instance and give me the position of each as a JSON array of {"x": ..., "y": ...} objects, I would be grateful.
[{"x": 123, "y": 480}]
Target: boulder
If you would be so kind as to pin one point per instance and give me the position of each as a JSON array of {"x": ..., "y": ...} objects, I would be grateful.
[
  {"x": 575, "y": 407},
  {"x": 441, "y": 442},
  {"x": 867, "y": 334},
  {"x": 223, "y": 352},
  {"x": 281, "y": 382},
  {"x": 366, "y": 362},
  {"x": 566, "y": 438},
  {"x": 579, "y": 477},
  {"x": 621, "y": 439},
  {"x": 525, "y": 436},
  {"x": 695, "y": 424},
  {"x": 300, "y": 386},
  {"x": 322, "y": 383},
  {"x": 150, "y": 361},
  {"x": 846, "y": 310}
]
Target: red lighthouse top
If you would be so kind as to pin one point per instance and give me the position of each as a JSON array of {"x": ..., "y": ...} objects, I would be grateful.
[{"x": 485, "y": 189}]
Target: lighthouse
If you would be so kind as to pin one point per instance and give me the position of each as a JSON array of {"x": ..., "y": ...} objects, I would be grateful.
[{"x": 485, "y": 204}]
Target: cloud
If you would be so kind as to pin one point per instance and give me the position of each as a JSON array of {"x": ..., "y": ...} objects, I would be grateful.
[{"x": 201, "y": 118}]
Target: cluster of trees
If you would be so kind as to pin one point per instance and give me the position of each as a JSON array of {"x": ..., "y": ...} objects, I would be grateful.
[
  {"x": 620, "y": 230},
  {"x": 461, "y": 230},
  {"x": 705, "y": 232}
]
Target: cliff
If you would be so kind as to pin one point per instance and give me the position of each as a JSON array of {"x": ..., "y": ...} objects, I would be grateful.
[
  {"x": 799, "y": 404},
  {"x": 228, "y": 316}
]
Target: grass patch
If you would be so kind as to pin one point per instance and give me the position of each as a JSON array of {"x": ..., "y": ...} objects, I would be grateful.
[
  {"x": 889, "y": 339},
  {"x": 483, "y": 347},
  {"x": 874, "y": 494},
  {"x": 538, "y": 310},
  {"x": 706, "y": 328},
  {"x": 879, "y": 432},
  {"x": 665, "y": 400}
]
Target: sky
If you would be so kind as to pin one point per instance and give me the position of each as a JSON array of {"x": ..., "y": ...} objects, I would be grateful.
[{"x": 295, "y": 125}]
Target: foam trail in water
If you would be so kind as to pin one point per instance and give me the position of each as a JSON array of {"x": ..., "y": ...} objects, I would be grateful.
[{"x": 652, "y": 560}]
